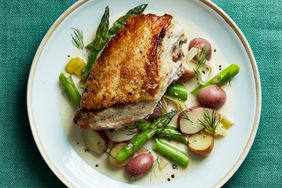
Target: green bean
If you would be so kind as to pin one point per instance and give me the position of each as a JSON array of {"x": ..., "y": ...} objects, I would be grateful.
[{"x": 172, "y": 153}]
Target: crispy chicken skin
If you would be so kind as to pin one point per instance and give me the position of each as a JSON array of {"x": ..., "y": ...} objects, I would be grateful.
[{"x": 128, "y": 79}]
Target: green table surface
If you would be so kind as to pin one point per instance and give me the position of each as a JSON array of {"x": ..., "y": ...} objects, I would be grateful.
[{"x": 23, "y": 24}]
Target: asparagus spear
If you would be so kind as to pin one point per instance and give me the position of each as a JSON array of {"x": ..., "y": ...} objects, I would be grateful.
[
  {"x": 70, "y": 89},
  {"x": 177, "y": 91},
  {"x": 171, "y": 133},
  {"x": 201, "y": 61},
  {"x": 135, "y": 144},
  {"x": 98, "y": 43},
  {"x": 102, "y": 32},
  {"x": 162, "y": 121},
  {"x": 141, "y": 138},
  {"x": 171, "y": 152},
  {"x": 121, "y": 21},
  {"x": 220, "y": 79},
  {"x": 143, "y": 125},
  {"x": 91, "y": 60}
]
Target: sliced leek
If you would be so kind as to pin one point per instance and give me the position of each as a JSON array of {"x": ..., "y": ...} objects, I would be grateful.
[{"x": 75, "y": 66}]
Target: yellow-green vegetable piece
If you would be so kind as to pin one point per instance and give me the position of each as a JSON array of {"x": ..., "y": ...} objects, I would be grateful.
[
  {"x": 225, "y": 121},
  {"x": 75, "y": 66}
]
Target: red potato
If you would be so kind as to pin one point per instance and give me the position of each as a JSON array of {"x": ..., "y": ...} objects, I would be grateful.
[
  {"x": 201, "y": 143},
  {"x": 156, "y": 113},
  {"x": 94, "y": 141},
  {"x": 113, "y": 153},
  {"x": 139, "y": 165},
  {"x": 141, "y": 150},
  {"x": 188, "y": 120},
  {"x": 188, "y": 71},
  {"x": 201, "y": 43},
  {"x": 212, "y": 97},
  {"x": 188, "y": 74}
]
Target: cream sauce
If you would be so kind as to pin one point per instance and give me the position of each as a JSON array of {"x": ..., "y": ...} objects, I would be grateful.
[{"x": 165, "y": 172}]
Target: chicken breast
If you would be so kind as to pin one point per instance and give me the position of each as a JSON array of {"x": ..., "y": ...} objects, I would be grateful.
[{"x": 132, "y": 73}]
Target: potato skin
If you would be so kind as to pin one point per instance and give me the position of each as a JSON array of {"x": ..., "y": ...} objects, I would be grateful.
[
  {"x": 187, "y": 74},
  {"x": 200, "y": 43},
  {"x": 139, "y": 165},
  {"x": 184, "y": 112},
  {"x": 212, "y": 97},
  {"x": 205, "y": 151},
  {"x": 156, "y": 113}
]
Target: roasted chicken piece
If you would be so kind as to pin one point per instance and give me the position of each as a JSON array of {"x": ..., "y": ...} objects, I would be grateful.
[{"x": 132, "y": 73}]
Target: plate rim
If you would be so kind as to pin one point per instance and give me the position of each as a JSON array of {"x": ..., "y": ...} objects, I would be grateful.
[{"x": 212, "y": 6}]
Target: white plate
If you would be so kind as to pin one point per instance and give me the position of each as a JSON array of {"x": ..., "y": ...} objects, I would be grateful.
[{"x": 46, "y": 115}]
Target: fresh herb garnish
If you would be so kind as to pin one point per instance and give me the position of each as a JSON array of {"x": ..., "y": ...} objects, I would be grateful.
[
  {"x": 198, "y": 76},
  {"x": 210, "y": 121},
  {"x": 77, "y": 38},
  {"x": 154, "y": 167},
  {"x": 200, "y": 62},
  {"x": 186, "y": 117}
]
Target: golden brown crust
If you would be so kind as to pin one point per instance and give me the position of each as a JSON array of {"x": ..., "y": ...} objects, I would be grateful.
[{"x": 127, "y": 70}]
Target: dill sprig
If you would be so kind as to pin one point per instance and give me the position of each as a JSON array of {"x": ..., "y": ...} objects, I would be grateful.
[
  {"x": 198, "y": 76},
  {"x": 186, "y": 117},
  {"x": 210, "y": 121},
  {"x": 200, "y": 62},
  {"x": 154, "y": 167},
  {"x": 202, "y": 57},
  {"x": 77, "y": 38}
]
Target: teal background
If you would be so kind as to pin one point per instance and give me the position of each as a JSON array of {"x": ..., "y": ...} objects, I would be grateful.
[{"x": 23, "y": 24}]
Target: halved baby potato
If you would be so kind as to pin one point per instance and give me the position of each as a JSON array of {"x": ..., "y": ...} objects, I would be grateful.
[
  {"x": 202, "y": 43},
  {"x": 188, "y": 70},
  {"x": 201, "y": 143},
  {"x": 188, "y": 120},
  {"x": 94, "y": 141}
]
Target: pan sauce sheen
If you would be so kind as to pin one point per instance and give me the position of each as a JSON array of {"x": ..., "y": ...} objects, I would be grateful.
[{"x": 169, "y": 172}]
